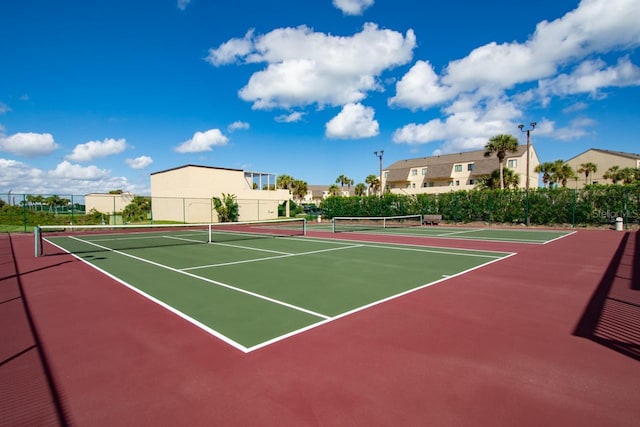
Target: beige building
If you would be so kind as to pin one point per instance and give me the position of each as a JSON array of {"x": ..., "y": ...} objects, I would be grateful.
[
  {"x": 184, "y": 193},
  {"x": 317, "y": 193},
  {"x": 107, "y": 203},
  {"x": 452, "y": 172},
  {"x": 604, "y": 160}
]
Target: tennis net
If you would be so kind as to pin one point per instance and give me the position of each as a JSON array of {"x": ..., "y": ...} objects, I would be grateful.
[
  {"x": 363, "y": 223},
  {"x": 94, "y": 238}
]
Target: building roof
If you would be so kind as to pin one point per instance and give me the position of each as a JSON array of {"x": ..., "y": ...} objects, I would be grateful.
[
  {"x": 441, "y": 166},
  {"x": 196, "y": 166},
  {"x": 610, "y": 152}
]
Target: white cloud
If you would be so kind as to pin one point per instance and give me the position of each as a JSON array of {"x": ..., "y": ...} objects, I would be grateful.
[
  {"x": 591, "y": 76},
  {"x": 92, "y": 150},
  {"x": 182, "y": 4},
  {"x": 473, "y": 90},
  {"x": 74, "y": 171},
  {"x": 231, "y": 51},
  {"x": 306, "y": 67},
  {"x": 296, "y": 116},
  {"x": 353, "y": 7},
  {"x": 28, "y": 144},
  {"x": 354, "y": 121},
  {"x": 4, "y": 108},
  {"x": 421, "y": 88},
  {"x": 238, "y": 125},
  {"x": 203, "y": 141},
  {"x": 139, "y": 162}
]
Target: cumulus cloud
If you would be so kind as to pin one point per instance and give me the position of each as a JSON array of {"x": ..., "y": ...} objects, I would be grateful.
[
  {"x": 139, "y": 162},
  {"x": 75, "y": 171},
  {"x": 353, "y": 7},
  {"x": 182, "y": 4},
  {"x": 28, "y": 144},
  {"x": 296, "y": 116},
  {"x": 237, "y": 126},
  {"x": 306, "y": 67},
  {"x": 92, "y": 150},
  {"x": 354, "y": 121},
  {"x": 203, "y": 141},
  {"x": 471, "y": 89}
]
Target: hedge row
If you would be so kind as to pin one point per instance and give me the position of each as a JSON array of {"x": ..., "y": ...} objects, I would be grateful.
[{"x": 592, "y": 205}]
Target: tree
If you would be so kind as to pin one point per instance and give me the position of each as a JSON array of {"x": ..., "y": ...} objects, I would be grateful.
[
  {"x": 374, "y": 183},
  {"x": 226, "y": 207},
  {"x": 115, "y": 191},
  {"x": 344, "y": 180},
  {"x": 492, "y": 182},
  {"x": 334, "y": 190},
  {"x": 546, "y": 169},
  {"x": 299, "y": 189},
  {"x": 52, "y": 202},
  {"x": 138, "y": 210},
  {"x": 501, "y": 144},
  {"x": 284, "y": 181},
  {"x": 562, "y": 172},
  {"x": 627, "y": 175},
  {"x": 613, "y": 173},
  {"x": 587, "y": 169},
  {"x": 360, "y": 189}
]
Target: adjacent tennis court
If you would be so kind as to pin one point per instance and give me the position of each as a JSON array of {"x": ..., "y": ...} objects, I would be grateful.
[{"x": 250, "y": 289}]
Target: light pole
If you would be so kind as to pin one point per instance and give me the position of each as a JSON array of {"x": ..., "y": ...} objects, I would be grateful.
[
  {"x": 379, "y": 154},
  {"x": 528, "y": 131}
]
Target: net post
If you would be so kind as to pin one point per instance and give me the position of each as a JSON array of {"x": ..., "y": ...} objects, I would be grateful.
[
  {"x": 37, "y": 241},
  {"x": 304, "y": 226},
  {"x": 333, "y": 225},
  {"x": 210, "y": 240}
]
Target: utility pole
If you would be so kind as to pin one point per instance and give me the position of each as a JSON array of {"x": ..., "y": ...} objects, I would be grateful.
[
  {"x": 379, "y": 154},
  {"x": 528, "y": 131}
]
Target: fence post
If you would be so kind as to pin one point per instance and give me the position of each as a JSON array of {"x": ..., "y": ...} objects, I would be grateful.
[
  {"x": 24, "y": 212},
  {"x": 526, "y": 207},
  {"x": 573, "y": 208}
]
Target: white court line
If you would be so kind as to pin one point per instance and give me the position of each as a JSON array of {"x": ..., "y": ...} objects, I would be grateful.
[
  {"x": 271, "y": 257},
  {"x": 459, "y": 232},
  {"x": 204, "y": 279},
  {"x": 560, "y": 237}
]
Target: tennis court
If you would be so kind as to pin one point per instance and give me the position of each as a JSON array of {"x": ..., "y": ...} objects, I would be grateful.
[
  {"x": 411, "y": 225},
  {"x": 258, "y": 285}
]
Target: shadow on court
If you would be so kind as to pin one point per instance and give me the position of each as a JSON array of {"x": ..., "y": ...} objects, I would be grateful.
[
  {"x": 612, "y": 317},
  {"x": 27, "y": 391}
]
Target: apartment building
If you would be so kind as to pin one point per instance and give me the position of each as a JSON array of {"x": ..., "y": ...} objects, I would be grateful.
[{"x": 452, "y": 172}]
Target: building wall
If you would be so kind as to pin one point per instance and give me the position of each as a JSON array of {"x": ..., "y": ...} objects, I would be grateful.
[
  {"x": 107, "y": 203},
  {"x": 604, "y": 161},
  {"x": 419, "y": 181},
  {"x": 184, "y": 194}
]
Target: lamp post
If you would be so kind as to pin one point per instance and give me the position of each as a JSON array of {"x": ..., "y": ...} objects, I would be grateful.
[
  {"x": 528, "y": 131},
  {"x": 379, "y": 154}
]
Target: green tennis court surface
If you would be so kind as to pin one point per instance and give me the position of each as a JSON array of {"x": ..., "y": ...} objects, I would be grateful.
[
  {"x": 256, "y": 291},
  {"x": 515, "y": 235}
]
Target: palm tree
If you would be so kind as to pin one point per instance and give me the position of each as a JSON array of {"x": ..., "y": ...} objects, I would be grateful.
[
  {"x": 586, "y": 169},
  {"x": 226, "y": 207},
  {"x": 360, "y": 189},
  {"x": 344, "y": 180},
  {"x": 613, "y": 173},
  {"x": 284, "y": 181},
  {"x": 501, "y": 144},
  {"x": 492, "y": 182},
  {"x": 299, "y": 188},
  {"x": 546, "y": 169},
  {"x": 627, "y": 175},
  {"x": 373, "y": 182},
  {"x": 334, "y": 190},
  {"x": 562, "y": 172}
]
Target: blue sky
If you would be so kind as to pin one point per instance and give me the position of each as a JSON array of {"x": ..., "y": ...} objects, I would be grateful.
[{"x": 96, "y": 95}]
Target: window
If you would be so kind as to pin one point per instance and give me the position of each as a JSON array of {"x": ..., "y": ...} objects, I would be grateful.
[
  {"x": 450, "y": 183},
  {"x": 386, "y": 174},
  {"x": 472, "y": 181},
  {"x": 414, "y": 172},
  {"x": 457, "y": 183},
  {"x": 424, "y": 171},
  {"x": 432, "y": 184},
  {"x": 457, "y": 168},
  {"x": 513, "y": 163},
  {"x": 424, "y": 184},
  {"x": 470, "y": 166},
  {"x": 413, "y": 185}
]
